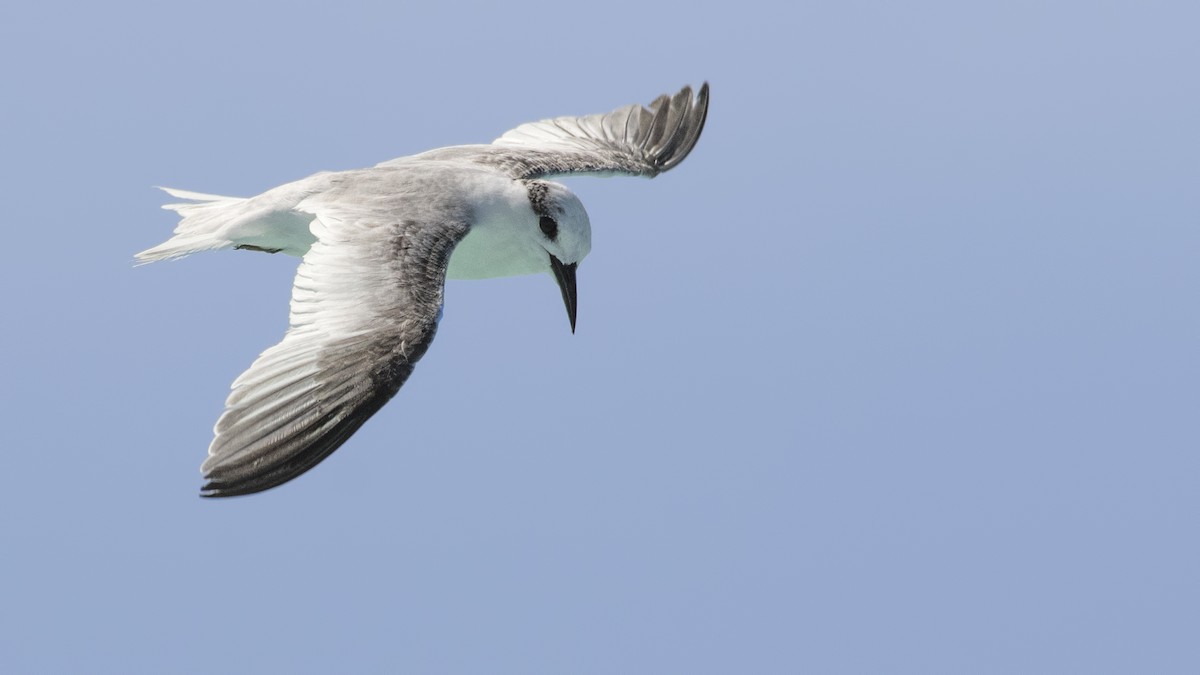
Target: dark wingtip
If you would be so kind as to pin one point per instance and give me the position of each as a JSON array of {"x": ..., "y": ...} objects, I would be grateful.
[
  {"x": 235, "y": 487},
  {"x": 689, "y": 127},
  {"x": 310, "y": 445},
  {"x": 219, "y": 490}
]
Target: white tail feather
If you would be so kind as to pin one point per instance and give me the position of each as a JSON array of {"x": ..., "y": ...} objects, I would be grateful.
[
  {"x": 198, "y": 230},
  {"x": 211, "y": 222},
  {"x": 194, "y": 196}
]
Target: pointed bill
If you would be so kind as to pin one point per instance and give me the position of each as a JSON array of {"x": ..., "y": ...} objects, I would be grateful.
[{"x": 565, "y": 275}]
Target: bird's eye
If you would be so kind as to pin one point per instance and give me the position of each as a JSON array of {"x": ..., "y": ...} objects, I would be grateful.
[{"x": 549, "y": 227}]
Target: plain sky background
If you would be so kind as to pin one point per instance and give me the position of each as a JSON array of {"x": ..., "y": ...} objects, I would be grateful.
[{"x": 899, "y": 372}]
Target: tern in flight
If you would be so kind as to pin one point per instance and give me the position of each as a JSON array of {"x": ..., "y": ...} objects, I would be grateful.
[{"x": 377, "y": 246}]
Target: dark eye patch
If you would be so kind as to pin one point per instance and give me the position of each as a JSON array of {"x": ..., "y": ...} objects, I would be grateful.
[{"x": 549, "y": 227}]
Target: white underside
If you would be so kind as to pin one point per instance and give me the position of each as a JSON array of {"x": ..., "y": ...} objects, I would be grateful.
[
  {"x": 502, "y": 240},
  {"x": 486, "y": 253},
  {"x": 282, "y": 221}
]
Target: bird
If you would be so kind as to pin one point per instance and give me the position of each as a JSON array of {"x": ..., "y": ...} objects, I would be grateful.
[{"x": 376, "y": 246}]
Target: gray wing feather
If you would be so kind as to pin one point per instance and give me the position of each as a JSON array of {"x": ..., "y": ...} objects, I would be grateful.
[
  {"x": 365, "y": 307},
  {"x": 631, "y": 140}
]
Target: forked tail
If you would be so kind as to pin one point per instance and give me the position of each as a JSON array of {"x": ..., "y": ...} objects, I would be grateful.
[
  {"x": 269, "y": 222},
  {"x": 201, "y": 227}
]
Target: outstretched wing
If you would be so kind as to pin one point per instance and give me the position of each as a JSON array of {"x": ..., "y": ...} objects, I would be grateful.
[
  {"x": 632, "y": 140},
  {"x": 365, "y": 307}
]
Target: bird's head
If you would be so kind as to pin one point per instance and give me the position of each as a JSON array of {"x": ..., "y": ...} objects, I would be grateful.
[{"x": 564, "y": 231}]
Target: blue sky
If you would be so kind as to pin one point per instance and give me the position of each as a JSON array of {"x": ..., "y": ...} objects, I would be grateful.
[{"x": 898, "y": 372}]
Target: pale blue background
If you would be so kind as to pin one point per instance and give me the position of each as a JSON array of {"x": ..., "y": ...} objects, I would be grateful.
[{"x": 898, "y": 373}]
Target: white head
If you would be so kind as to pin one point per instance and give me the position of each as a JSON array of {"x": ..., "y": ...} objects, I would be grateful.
[
  {"x": 565, "y": 233},
  {"x": 563, "y": 226},
  {"x": 525, "y": 227}
]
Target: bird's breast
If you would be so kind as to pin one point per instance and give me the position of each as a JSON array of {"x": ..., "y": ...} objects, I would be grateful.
[{"x": 488, "y": 252}]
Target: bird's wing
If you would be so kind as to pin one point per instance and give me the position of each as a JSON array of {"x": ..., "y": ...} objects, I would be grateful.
[
  {"x": 365, "y": 307},
  {"x": 632, "y": 140}
]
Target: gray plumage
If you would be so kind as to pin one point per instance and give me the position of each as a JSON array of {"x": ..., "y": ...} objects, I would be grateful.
[
  {"x": 632, "y": 141},
  {"x": 377, "y": 247},
  {"x": 335, "y": 368}
]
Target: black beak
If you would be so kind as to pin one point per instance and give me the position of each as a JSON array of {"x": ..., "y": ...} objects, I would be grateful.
[{"x": 565, "y": 275}]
